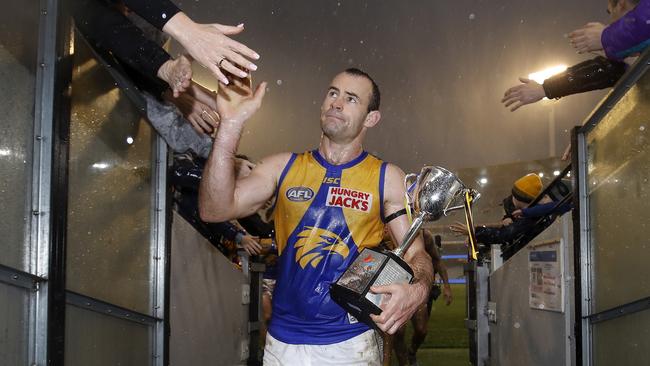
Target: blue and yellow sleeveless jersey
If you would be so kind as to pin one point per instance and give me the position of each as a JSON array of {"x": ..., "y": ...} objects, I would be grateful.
[{"x": 324, "y": 215}]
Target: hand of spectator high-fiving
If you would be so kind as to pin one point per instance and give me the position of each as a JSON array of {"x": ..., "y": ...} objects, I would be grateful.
[
  {"x": 177, "y": 73},
  {"x": 587, "y": 38},
  {"x": 201, "y": 116},
  {"x": 458, "y": 228},
  {"x": 529, "y": 91},
  {"x": 251, "y": 244},
  {"x": 210, "y": 45}
]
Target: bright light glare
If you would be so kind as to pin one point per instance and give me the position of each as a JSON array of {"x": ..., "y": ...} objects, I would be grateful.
[
  {"x": 5, "y": 152},
  {"x": 556, "y": 173},
  {"x": 542, "y": 75},
  {"x": 483, "y": 180},
  {"x": 541, "y": 175},
  {"x": 100, "y": 165},
  {"x": 129, "y": 140}
]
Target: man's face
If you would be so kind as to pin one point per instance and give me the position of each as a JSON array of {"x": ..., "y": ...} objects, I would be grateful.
[{"x": 345, "y": 108}]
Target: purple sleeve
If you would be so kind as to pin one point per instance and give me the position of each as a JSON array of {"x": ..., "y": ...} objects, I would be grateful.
[{"x": 628, "y": 35}]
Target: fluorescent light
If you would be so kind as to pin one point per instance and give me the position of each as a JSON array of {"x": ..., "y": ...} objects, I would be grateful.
[
  {"x": 540, "y": 76},
  {"x": 556, "y": 173},
  {"x": 483, "y": 180},
  {"x": 541, "y": 174},
  {"x": 5, "y": 152},
  {"x": 100, "y": 165},
  {"x": 129, "y": 140}
]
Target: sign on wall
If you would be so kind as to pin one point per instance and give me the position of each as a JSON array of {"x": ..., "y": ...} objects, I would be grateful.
[{"x": 546, "y": 290}]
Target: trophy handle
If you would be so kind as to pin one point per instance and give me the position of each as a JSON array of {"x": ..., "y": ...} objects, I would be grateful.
[
  {"x": 409, "y": 185},
  {"x": 410, "y": 235},
  {"x": 467, "y": 203},
  {"x": 474, "y": 194}
]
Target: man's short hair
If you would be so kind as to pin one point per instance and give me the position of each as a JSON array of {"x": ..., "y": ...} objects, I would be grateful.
[{"x": 375, "y": 97}]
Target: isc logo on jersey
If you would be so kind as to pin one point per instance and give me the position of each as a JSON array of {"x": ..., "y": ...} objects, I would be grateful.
[
  {"x": 300, "y": 194},
  {"x": 349, "y": 198},
  {"x": 331, "y": 180}
]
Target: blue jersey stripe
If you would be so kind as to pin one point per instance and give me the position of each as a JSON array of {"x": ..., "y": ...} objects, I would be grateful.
[
  {"x": 281, "y": 179},
  {"x": 321, "y": 160},
  {"x": 382, "y": 176}
]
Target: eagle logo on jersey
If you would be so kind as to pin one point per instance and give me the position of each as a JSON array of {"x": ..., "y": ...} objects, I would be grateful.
[{"x": 314, "y": 243}]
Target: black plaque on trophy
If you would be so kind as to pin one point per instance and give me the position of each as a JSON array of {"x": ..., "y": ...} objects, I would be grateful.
[
  {"x": 370, "y": 268},
  {"x": 432, "y": 195}
]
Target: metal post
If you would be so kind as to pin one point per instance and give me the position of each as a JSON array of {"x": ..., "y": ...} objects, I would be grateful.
[
  {"x": 477, "y": 313},
  {"x": 41, "y": 173},
  {"x": 582, "y": 252},
  {"x": 159, "y": 249}
]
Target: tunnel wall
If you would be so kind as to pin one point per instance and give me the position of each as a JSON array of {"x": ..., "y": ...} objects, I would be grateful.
[
  {"x": 207, "y": 318},
  {"x": 523, "y": 335}
]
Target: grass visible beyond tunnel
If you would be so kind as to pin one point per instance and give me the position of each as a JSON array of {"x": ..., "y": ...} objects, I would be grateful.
[{"x": 447, "y": 340}]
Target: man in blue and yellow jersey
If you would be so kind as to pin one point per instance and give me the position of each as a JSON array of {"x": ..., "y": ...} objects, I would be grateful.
[{"x": 331, "y": 203}]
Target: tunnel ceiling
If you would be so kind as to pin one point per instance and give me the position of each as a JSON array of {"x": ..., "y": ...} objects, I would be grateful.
[{"x": 442, "y": 67}]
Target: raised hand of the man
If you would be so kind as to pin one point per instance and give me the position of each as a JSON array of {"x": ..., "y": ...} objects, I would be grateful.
[{"x": 236, "y": 102}]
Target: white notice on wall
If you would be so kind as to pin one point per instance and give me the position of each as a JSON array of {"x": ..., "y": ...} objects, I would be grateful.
[{"x": 545, "y": 287}]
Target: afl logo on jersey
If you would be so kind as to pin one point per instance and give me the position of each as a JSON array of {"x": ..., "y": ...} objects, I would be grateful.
[{"x": 299, "y": 194}]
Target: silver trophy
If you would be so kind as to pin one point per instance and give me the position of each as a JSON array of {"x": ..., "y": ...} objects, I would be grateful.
[{"x": 433, "y": 193}]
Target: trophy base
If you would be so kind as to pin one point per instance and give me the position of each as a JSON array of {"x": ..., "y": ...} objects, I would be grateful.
[{"x": 371, "y": 268}]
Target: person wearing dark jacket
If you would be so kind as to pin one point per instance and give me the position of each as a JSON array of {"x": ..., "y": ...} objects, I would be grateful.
[
  {"x": 543, "y": 209},
  {"x": 208, "y": 44},
  {"x": 135, "y": 48},
  {"x": 107, "y": 28},
  {"x": 185, "y": 178},
  {"x": 597, "y": 73},
  {"x": 513, "y": 228}
]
